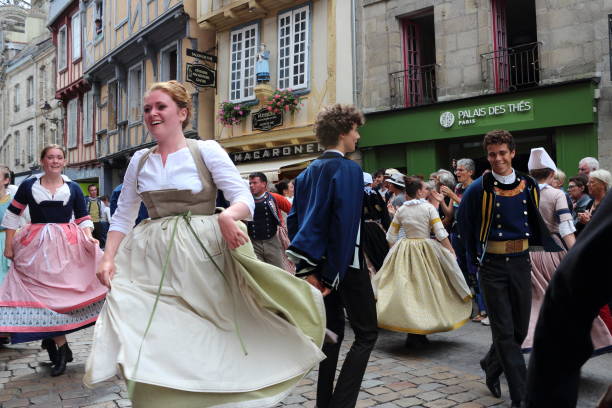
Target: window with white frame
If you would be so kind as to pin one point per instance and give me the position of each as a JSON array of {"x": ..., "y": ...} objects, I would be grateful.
[
  {"x": 31, "y": 144},
  {"x": 30, "y": 91},
  {"x": 169, "y": 63},
  {"x": 71, "y": 139},
  {"x": 293, "y": 38},
  {"x": 135, "y": 93},
  {"x": 76, "y": 36},
  {"x": 99, "y": 18},
  {"x": 17, "y": 148},
  {"x": 42, "y": 83},
  {"x": 62, "y": 50},
  {"x": 242, "y": 62},
  {"x": 88, "y": 114}
]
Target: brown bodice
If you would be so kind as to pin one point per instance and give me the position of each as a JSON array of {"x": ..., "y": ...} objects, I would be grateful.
[{"x": 163, "y": 203}]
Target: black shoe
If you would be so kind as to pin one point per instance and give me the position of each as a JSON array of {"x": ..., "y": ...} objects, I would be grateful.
[
  {"x": 49, "y": 345},
  {"x": 515, "y": 405},
  {"x": 492, "y": 383},
  {"x": 416, "y": 340},
  {"x": 64, "y": 357}
]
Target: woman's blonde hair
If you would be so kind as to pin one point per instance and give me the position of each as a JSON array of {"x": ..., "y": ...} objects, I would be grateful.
[
  {"x": 178, "y": 93},
  {"x": 44, "y": 151}
]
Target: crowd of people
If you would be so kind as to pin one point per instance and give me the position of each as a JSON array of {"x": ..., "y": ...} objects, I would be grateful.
[{"x": 260, "y": 289}]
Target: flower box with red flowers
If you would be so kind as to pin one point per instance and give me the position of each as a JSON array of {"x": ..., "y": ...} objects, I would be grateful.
[
  {"x": 230, "y": 113},
  {"x": 284, "y": 101}
]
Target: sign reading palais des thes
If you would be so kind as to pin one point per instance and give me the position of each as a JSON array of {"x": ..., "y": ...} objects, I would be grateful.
[
  {"x": 485, "y": 115},
  {"x": 264, "y": 119},
  {"x": 276, "y": 152},
  {"x": 201, "y": 75}
]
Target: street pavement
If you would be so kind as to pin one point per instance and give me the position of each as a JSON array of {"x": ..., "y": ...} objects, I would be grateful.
[{"x": 443, "y": 374}]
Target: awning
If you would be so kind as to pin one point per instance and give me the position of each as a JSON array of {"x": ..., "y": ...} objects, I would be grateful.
[{"x": 272, "y": 168}]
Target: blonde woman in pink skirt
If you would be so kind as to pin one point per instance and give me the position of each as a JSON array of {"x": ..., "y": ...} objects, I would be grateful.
[
  {"x": 51, "y": 288},
  {"x": 558, "y": 219}
]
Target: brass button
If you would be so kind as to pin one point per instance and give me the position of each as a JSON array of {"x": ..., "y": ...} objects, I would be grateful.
[
  {"x": 526, "y": 234},
  {"x": 498, "y": 215},
  {"x": 526, "y": 224},
  {"x": 497, "y": 204},
  {"x": 500, "y": 234},
  {"x": 507, "y": 259},
  {"x": 495, "y": 182},
  {"x": 524, "y": 201},
  {"x": 525, "y": 212},
  {"x": 499, "y": 226}
]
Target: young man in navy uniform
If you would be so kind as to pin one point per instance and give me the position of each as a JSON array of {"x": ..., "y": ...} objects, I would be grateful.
[
  {"x": 499, "y": 220},
  {"x": 324, "y": 226}
]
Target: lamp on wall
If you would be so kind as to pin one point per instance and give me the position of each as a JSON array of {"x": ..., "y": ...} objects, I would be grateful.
[{"x": 46, "y": 111}]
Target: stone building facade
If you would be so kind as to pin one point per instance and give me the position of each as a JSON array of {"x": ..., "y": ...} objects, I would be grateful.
[
  {"x": 419, "y": 59},
  {"x": 27, "y": 84}
]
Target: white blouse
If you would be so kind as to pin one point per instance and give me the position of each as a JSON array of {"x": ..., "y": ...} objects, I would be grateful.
[
  {"x": 40, "y": 194},
  {"x": 180, "y": 172}
]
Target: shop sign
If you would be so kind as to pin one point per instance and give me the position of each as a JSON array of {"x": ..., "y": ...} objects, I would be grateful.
[
  {"x": 276, "y": 152},
  {"x": 264, "y": 119},
  {"x": 201, "y": 55},
  {"x": 485, "y": 115},
  {"x": 201, "y": 75}
]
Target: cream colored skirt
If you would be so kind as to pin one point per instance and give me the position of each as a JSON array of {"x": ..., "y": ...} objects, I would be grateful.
[
  {"x": 420, "y": 289},
  {"x": 192, "y": 354}
]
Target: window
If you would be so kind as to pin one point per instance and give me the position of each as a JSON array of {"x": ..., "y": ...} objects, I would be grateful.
[
  {"x": 242, "y": 68},
  {"x": 16, "y": 98},
  {"x": 17, "y": 148},
  {"x": 293, "y": 33},
  {"x": 72, "y": 123},
  {"x": 62, "y": 49},
  {"x": 88, "y": 114},
  {"x": 169, "y": 63},
  {"x": 42, "y": 83},
  {"x": 31, "y": 144},
  {"x": 76, "y": 36},
  {"x": 113, "y": 91},
  {"x": 99, "y": 17},
  {"x": 135, "y": 94},
  {"x": 30, "y": 91},
  {"x": 42, "y": 138}
]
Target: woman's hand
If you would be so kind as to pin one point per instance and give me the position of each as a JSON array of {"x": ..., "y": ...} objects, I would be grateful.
[
  {"x": 231, "y": 233},
  {"x": 90, "y": 237},
  {"x": 584, "y": 217},
  {"x": 106, "y": 271},
  {"x": 8, "y": 252}
]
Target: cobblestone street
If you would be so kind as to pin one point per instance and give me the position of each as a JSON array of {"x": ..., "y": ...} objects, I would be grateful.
[{"x": 442, "y": 374}]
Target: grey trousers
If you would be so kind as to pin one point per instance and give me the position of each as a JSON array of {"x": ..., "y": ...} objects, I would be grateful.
[{"x": 269, "y": 251}]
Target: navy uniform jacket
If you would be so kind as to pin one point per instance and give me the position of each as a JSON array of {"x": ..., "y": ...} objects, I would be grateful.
[
  {"x": 475, "y": 215},
  {"x": 581, "y": 285},
  {"x": 326, "y": 215}
]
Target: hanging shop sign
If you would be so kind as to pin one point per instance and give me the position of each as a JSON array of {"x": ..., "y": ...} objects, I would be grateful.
[
  {"x": 202, "y": 56},
  {"x": 276, "y": 152},
  {"x": 486, "y": 115},
  {"x": 201, "y": 75},
  {"x": 264, "y": 119}
]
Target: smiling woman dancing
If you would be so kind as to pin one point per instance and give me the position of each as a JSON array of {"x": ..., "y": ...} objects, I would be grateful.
[
  {"x": 193, "y": 319},
  {"x": 51, "y": 288}
]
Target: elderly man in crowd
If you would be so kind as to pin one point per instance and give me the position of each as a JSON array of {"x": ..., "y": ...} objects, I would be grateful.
[{"x": 587, "y": 165}]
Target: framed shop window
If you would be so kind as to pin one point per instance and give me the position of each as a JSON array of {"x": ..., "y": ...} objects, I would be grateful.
[
  {"x": 293, "y": 49},
  {"x": 243, "y": 49}
]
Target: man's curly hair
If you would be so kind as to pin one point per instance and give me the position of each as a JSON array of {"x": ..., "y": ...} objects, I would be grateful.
[
  {"x": 498, "y": 137},
  {"x": 335, "y": 120}
]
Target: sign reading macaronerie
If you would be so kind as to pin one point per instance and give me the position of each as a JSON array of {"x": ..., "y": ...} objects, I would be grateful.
[
  {"x": 275, "y": 152},
  {"x": 483, "y": 115}
]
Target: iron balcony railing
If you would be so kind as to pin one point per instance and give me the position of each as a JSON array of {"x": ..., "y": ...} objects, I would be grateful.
[
  {"x": 413, "y": 87},
  {"x": 513, "y": 68}
]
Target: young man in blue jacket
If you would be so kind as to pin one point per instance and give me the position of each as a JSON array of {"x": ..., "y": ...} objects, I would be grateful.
[
  {"x": 324, "y": 227},
  {"x": 499, "y": 220}
]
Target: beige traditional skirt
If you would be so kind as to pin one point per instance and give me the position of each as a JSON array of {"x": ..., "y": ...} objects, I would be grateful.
[
  {"x": 238, "y": 334},
  {"x": 420, "y": 289}
]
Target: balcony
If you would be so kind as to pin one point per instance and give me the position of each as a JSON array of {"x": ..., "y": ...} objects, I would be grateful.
[
  {"x": 413, "y": 87},
  {"x": 510, "y": 69}
]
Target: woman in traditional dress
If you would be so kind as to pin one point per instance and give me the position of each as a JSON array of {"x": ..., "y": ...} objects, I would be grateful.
[
  {"x": 420, "y": 287},
  {"x": 558, "y": 219},
  {"x": 51, "y": 288},
  {"x": 193, "y": 319},
  {"x": 5, "y": 200}
]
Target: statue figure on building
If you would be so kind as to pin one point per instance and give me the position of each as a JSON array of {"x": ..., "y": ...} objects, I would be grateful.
[{"x": 262, "y": 65}]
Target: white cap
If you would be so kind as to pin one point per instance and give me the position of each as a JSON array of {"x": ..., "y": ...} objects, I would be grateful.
[
  {"x": 397, "y": 179},
  {"x": 367, "y": 178},
  {"x": 390, "y": 172},
  {"x": 539, "y": 159}
]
